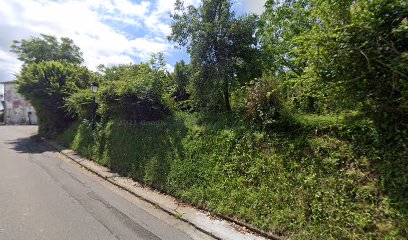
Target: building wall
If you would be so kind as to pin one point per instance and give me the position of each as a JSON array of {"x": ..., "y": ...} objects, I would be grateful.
[
  {"x": 17, "y": 108},
  {"x": 1, "y": 101}
]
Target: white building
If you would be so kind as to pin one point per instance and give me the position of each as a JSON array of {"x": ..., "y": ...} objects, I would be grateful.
[
  {"x": 1, "y": 102},
  {"x": 17, "y": 110}
]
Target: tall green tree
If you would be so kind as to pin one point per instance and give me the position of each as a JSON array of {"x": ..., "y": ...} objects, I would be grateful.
[
  {"x": 296, "y": 37},
  {"x": 372, "y": 60},
  {"x": 50, "y": 73},
  {"x": 180, "y": 81},
  {"x": 220, "y": 45},
  {"x": 353, "y": 51},
  {"x": 47, "y": 84},
  {"x": 47, "y": 48},
  {"x": 280, "y": 24}
]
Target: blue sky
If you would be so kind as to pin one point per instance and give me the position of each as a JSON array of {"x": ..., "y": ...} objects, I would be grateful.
[{"x": 108, "y": 32}]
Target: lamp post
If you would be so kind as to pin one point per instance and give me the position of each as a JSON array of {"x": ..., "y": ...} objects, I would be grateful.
[{"x": 94, "y": 89}]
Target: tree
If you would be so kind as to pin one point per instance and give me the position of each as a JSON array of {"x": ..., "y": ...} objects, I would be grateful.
[
  {"x": 372, "y": 59},
  {"x": 133, "y": 92},
  {"x": 219, "y": 44},
  {"x": 353, "y": 51},
  {"x": 50, "y": 73},
  {"x": 180, "y": 81},
  {"x": 280, "y": 24},
  {"x": 47, "y": 85},
  {"x": 46, "y": 48},
  {"x": 114, "y": 73},
  {"x": 296, "y": 37}
]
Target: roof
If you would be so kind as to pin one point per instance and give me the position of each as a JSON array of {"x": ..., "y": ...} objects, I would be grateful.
[{"x": 7, "y": 82}]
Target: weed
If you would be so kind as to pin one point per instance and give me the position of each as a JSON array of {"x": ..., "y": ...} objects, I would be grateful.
[{"x": 328, "y": 178}]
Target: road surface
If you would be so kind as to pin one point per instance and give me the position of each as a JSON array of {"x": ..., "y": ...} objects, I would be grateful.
[{"x": 44, "y": 196}]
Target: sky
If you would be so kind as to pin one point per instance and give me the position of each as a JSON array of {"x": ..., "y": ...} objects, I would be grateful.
[{"x": 109, "y": 32}]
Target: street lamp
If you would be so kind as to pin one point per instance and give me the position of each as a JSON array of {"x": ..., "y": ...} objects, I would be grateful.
[{"x": 94, "y": 89}]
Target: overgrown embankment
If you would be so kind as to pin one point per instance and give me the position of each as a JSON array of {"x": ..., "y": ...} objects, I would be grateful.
[{"x": 322, "y": 178}]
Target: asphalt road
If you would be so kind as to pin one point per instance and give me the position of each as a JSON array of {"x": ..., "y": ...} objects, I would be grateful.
[{"x": 45, "y": 196}]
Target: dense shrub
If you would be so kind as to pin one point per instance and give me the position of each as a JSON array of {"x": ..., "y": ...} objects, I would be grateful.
[
  {"x": 263, "y": 102},
  {"x": 378, "y": 73},
  {"x": 314, "y": 183},
  {"x": 139, "y": 100},
  {"x": 81, "y": 104},
  {"x": 1, "y": 117},
  {"x": 138, "y": 96},
  {"x": 179, "y": 81},
  {"x": 46, "y": 85},
  {"x": 128, "y": 92}
]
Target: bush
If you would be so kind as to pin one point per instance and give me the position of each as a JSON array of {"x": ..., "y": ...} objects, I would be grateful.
[
  {"x": 81, "y": 104},
  {"x": 137, "y": 97},
  {"x": 306, "y": 185},
  {"x": 179, "y": 81},
  {"x": 137, "y": 100},
  {"x": 46, "y": 85},
  {"x": 1, "y": 117},
  {"x": 263, "y": 102},
  {"x": 131, "y": 92}
]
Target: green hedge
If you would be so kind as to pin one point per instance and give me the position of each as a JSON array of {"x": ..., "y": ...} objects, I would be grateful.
[
  {"x": 303, "y": 183},
  {"x": 135, "y": 93}
]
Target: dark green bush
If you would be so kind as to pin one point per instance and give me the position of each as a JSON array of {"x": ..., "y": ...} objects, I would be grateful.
[
  {"x": 263, "y": 102},
  {"x": 81, "y": 103},
  {"x": 315, "y": 183},
  {"x": 46, "y": 85},
  {"x": 138, "y": 96},
  {"x": 140, "y": 99},
  {"x": 1, "y": 117},
  {"x": 128, "y": 92}
]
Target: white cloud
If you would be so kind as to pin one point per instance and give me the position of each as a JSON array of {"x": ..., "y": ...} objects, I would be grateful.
[
  {"x": 253, "y": 6},
  {"x": 107, "y": 31},
  {"x": 158, "y": 19},
  {"x": 9, "y": 66},
  {"x": 126, "y": 7},
  {"x": 84, "y": 21}
]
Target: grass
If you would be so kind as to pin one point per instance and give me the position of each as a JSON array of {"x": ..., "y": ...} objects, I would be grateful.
[{"x": 324, "y": 178}]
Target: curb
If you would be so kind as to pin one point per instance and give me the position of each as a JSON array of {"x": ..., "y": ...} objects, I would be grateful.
[{"x": 110, "y": 177}]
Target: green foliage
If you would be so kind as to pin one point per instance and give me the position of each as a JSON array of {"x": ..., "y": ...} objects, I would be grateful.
[
  {"x": 281, "y": 22},
  {"x": 321, "y": 181},
  {"x": 139, "y": 95},
  {"x": 81, "y": 103},
  {"x": 180, "y": 81},
  {"x": 46, "y": 48},
  {"x": 138, "y": 99},
  {"x": 114, "y": 73},
  {"x": 127, "y": 92},
  {"x": 1, "y": 117},
  {"x": 333, "y": 56},
  {"x": 46, "y": 85},
  {"x": 378, "y": 68},
  {"x": 294, "y": 39},
  {"x": 49, "y": 75},
  {"x": 222, "y": 48},
  {"x": 263, "y": 101}
]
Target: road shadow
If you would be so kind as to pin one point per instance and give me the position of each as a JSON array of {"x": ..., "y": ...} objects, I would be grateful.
[{"x": 32, "y": 144}]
